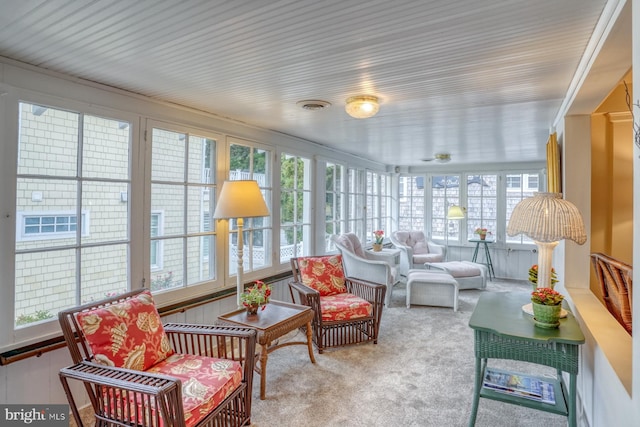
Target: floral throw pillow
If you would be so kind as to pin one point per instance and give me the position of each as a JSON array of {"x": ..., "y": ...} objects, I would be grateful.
[
  {"x": 324, "y": 274},
  {"x": 128, "y": 334}
]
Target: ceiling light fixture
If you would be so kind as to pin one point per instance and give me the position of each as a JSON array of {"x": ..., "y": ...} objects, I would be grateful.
[
  {"x": 443, "y": 157},
  {"x": 362, "y": 107},
  {"x": 313, "y": 104}
]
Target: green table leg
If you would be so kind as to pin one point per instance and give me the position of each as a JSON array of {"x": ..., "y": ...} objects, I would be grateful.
[
  {"x": 480, "y": 367},
  {"x": 573, "y": 422}
]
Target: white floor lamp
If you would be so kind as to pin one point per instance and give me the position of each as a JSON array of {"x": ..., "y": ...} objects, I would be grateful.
[
  {"x": 240, "y": 199},
  {"x": 455, "y": 213}
]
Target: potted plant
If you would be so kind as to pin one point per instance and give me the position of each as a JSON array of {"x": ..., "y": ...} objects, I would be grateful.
[
  {"x": 378, "y": 237},
  {"x": 547, "y": 304},
  {"x": 533, "y": 276},
  {"x": 255, "y": 297},
  {"x": 482, "y": 232}
]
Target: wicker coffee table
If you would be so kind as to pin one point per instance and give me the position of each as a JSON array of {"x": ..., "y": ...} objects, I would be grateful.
[{"x": 276, "y": 320}]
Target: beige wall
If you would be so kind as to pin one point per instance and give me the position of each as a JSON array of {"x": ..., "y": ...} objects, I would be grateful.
[{"x": 612, "y": 180}]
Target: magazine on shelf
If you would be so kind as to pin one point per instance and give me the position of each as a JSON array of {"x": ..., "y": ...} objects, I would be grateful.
[{"x": 519, "y": 385}]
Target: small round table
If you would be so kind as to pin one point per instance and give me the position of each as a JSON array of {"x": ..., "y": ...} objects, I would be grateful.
[{"x": 487, "y": 255}]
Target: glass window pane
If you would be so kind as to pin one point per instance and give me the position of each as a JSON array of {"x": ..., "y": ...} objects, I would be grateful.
[
  {"x": 105, "y": 150},
  {"x": 169, "y": 199},
  {"x": 172, "y": 274},
  {"x": 41, "y": 292},
  {"x": 240, "y": 158},
  {"x": 200, "y": 262},
  {"x": 48, "y": 141},
  {"x": 200, "y": 156},
  {"x": 37, "y": 215},
  {"x": 168, "y": 151},
  {"x": 109, "y": 214},
  {"x": 104, "y": 271}
]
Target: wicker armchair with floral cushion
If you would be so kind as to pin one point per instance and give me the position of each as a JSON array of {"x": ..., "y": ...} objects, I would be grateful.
[
  {"x": 346, "y": 310},
  {"x": 138, "y": 372}
]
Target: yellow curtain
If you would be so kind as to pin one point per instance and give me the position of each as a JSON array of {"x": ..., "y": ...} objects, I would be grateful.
[{"x": 553, "y": 165}]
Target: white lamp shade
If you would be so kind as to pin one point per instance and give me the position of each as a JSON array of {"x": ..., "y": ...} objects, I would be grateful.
[
  {"x": 362, "y": 107},
  {"x": 240, "y": 199},
  {"x": 547, "y": 217},
  {"x": 455, "y": 212}
]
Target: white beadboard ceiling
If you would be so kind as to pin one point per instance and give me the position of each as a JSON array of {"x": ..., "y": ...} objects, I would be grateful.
[{"x": 480, "y": 79}]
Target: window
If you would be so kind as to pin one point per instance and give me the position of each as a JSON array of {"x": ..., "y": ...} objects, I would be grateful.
[
  {"x": 411, "y": 214},
  {"x": 356, "y": 203},
  {"x": 514, "y": 195},
  {"x": 156, "y": 244},
  {"x": 335, "y": 195},
  {"x": 513, "y": 181},
  {"x": 378, "y": 204},
  {"x": 181, "y": 183},
  {"x": 250, "y": 162},
  {"x": 35, "y": 225},
  {"x": 69, "y": 164},
  {"x": 482, "y": 203},
  {"x": 445, "y": 192},
  {"x": 295, "y": 207}
]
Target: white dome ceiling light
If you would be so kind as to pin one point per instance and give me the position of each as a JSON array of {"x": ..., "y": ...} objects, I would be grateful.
[
  {"x": 443, "y": 157},
  {"x": 362, "y": 107}
]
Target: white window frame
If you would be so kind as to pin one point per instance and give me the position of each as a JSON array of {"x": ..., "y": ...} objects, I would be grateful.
[
  {"x": 22, "y": 236},
  {"x": 160, "y": 247}
]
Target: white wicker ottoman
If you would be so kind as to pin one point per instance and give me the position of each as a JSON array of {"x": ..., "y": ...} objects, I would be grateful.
[
  {"x": 470, "y": 275},
  {"x": 431, "y": 288}
]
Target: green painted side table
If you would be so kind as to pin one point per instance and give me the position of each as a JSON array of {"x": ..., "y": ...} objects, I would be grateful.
[{"x": 503, "y": 331}]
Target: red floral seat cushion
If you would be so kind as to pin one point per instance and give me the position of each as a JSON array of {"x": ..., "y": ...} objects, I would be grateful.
[
  {"x": 324, "y": 274},
  {"x": 127, "y": 334},
  {"x": 344, "y": 307},
  {"x": 206, "y": 382}
]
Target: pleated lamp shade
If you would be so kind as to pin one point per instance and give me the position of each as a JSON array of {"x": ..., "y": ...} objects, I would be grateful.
[{"x": 547, "y": 217}]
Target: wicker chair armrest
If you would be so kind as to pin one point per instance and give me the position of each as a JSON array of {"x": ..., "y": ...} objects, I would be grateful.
[
  {"x": 307, "y": 296},
  {"x": 377, "y": 256},
  {"x": 363, "y": 288},
  {"x": 111, "y": 387},
  {"x": 224, "y": 342},
  {"x": 372, "y": 292}
]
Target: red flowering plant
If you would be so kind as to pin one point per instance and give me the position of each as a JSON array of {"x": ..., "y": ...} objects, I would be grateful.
[
  {"x": 481, "y": 231},
  {"x": 546, "y": 296},
  {"x": 533, "y": 275},
  {"x": 379, "y": 236},
  {"x": 257, "y": 294}
]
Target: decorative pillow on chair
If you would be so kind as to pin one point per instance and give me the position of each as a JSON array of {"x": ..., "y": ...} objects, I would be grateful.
[
  {"x": 324, "y": 274},
  {"x": 128, "y": 334}
]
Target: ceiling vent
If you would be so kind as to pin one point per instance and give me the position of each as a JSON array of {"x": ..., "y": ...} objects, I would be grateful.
[{"x": 313, "y": 104}]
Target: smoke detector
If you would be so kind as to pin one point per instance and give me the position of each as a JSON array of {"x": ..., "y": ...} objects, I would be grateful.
[{"x": 313, "y": 104}]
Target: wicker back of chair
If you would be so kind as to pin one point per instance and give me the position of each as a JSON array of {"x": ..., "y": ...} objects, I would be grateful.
[{"x": 616, "y": 284}]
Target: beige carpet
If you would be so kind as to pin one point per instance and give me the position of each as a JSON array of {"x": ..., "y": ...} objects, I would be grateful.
[{"x": 419, "y": 374}]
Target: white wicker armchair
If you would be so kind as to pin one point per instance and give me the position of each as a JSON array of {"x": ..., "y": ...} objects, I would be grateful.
[
  {"x": 415, "y": 250},
  {"x": 365, "y": 265}
]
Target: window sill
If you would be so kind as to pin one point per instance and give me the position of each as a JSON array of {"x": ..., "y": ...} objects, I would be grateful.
[{"x": 609, "y": 336}]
